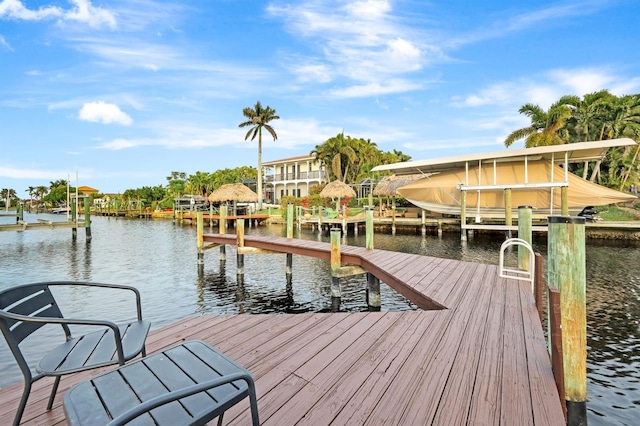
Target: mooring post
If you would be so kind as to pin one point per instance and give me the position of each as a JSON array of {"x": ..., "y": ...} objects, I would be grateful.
[
  {"x": 222, "y": 225},
  {"x": 508, "y": 215},
  {"x": 463, "y": 215},
  {"x": 87, "y": 219},
  {"x": 439, "y": 227},
  {"x": 424, "y": 222},
  {"x": 210, "y": 215},
  {"x": 200, "y": 237},
  {"x": 524, "y": 233},
  {"x": 74, "y": 219},
  {"x": 373, "y": 283},
  {"x": 335, "y": 264},
  {"x": 564, "y": 200},
  {"x": 239, "y": 246},
  {"x": 289, "y": 267},
  {"x": 567, "y": 272},
  {"x": 19, "y": 213}
]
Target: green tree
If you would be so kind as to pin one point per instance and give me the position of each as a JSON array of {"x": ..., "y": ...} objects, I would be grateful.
[
  {"x": 547, "y": 127},
  {"x": 257, "y": 119},
  {"x": 337, "y": 154},
  {"x": 587, "y": 114},
  {"x": 8, "y": 195}
]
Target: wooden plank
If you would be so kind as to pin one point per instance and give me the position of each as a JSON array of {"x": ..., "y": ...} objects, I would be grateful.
[{"x": 516, "y": 393}]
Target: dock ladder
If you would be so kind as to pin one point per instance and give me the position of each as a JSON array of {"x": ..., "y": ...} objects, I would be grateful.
[{"x": 517, "y": 273}]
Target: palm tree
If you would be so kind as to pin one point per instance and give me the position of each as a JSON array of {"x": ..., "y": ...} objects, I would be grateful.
[
  {"x": 588, "y": 114},
  {"x": 258, "y": 118},
  {"x": 31, "y": 191},
  {"x": 8, "y": 195},
  {"x": 337, "y": 154},
  {"x": 547, "y": 127}
]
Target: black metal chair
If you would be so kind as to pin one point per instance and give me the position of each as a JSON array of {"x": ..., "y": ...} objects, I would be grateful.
[
  {"x": 26, "y": 308},
  {"x": 188, "y": 384}
]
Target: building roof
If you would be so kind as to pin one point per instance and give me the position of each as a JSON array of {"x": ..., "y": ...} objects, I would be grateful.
[
  {"x": 288, "y": 160},
  {"x": 575, "y": 152}
]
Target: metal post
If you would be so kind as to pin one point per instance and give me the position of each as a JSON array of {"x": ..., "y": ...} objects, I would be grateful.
[
  {"x": 524, "y": 233},
  {"x": 567, "y": 272}
]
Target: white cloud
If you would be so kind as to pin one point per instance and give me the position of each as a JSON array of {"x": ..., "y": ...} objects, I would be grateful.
[
  {"x": 4, "y": 44},
  {"x": 104, "y": 113},
  {"x": 376, "y": 88},
  {"x": 546, "y": 88},
  {"x": 82, "y": 11},
  {"x": 361, "y": 41}
]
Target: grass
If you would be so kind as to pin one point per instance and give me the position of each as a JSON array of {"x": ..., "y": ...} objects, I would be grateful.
[{"x": 617, "y": 214}]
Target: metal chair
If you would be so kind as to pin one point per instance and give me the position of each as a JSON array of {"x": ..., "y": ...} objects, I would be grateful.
[
  {"x": 26, "y": 308},
  {"x": 187, "y": 384}
]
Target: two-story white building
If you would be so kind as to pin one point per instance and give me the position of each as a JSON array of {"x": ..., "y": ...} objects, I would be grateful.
[{"x": 292, "y": 176}]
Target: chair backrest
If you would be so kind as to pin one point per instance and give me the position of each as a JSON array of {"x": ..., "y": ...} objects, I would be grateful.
[{"x": 33, "y": 300}]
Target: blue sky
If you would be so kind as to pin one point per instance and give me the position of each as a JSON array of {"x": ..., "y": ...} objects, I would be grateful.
[{"x": 124, "y": 92}]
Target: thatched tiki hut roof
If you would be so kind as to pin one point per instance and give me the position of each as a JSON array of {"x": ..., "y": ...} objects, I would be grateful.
[
  {"x": 233, "y": 192},
  {"x": 337, "y": 189},
  {"x": 389, "y": 185}
]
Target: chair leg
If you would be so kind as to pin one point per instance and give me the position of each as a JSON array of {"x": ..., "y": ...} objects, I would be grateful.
[
  {"x": 53, "y": 392},
  {"x": 23, "y": 403},
  {"x": 253, "y": 402},
  {"x": 220, "y": 419}
]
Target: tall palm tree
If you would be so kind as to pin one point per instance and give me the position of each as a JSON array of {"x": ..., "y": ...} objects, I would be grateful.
[
  {"x": 588, "y": 114},
  {"x": 547, "y": 127},
  {"x": 259, "y": 118}
]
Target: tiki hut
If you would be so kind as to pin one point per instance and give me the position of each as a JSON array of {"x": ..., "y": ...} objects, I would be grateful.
[
  {"x": 234, "y": 192},
  {"x": 389, "y": 185},
  {"x": 337, "y": 189}
]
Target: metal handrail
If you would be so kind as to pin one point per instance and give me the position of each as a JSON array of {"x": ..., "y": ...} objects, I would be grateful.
[{"x": 517, "y": 273}]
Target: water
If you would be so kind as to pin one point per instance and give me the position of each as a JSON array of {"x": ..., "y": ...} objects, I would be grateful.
[{"x": 159, "y": 258}]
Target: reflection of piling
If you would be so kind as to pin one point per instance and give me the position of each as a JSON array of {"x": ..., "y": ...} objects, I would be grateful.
[
  {"x": 524, "y": 233},
  {"x": 567, "y": 272},
  {"x": 200, "y": 237},
  {"x": 463, "y": 215}
]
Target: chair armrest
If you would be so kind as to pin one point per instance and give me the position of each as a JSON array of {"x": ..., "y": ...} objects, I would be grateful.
[
  {"x": 103, "y": 285},
  {"x": 149, "y": 405},
  {"x": 73, "y": 321}
]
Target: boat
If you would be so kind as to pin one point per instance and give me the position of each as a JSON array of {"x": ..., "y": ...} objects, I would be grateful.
[{"x": 534, "y": 183}]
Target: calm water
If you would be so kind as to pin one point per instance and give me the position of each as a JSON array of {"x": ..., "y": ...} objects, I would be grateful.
[{"x": 159, "y": 258}]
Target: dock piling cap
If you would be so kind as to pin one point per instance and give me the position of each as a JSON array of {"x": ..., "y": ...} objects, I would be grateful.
[{"x": 567, "y": 219}]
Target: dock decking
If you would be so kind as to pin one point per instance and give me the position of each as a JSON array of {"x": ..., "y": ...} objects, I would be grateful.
[{"x": 478, "y": 358}]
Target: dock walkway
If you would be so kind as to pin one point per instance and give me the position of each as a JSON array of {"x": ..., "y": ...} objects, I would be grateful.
[{"x": 478, "y": 356}]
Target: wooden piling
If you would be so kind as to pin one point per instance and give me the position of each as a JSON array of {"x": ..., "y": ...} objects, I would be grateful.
[
  {"x": 524, "y": 233},
  {"x": 538, "y": 283},
  {"x": 555, "y": 333},
  {"x": 74, "y": 219},
  {"x": 567, "y": 272},
  {"x": 335, "y": 263},
  {"x": 463, "y": 215},
  {"x": 289, "y": 266},
  {"x": 200, "y": 237},
  {"x": 564, "y": 200},
  {"x": 508, "y": 215},
  {"x": 87, "y": 219},
  {"x": 373, "y": 283},
  {"x": 222, "y": 228},
  {"x": 239, "y": 246}
]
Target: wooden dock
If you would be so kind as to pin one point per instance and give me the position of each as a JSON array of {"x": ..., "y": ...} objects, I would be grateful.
[{"x": 478, "y": 356}]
